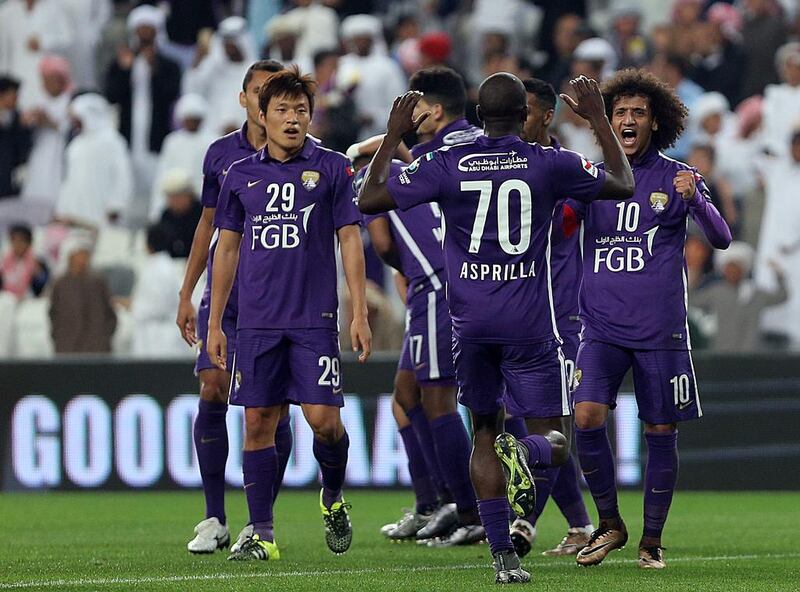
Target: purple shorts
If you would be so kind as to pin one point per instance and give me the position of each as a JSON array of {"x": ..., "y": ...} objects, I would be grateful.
[
  {"x": 229, "y": 319},
  {"x": 529, "y": 379},
  {"x": 570, "y": 350},
  {"x": 273, "y": 366},
  {"x": 664, "y": 381},
  {"x": 428, "y": 342}
]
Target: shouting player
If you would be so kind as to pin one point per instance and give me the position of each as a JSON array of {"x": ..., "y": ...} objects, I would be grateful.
[
  {"x": 497, "y": 196},
  {"x": 290, "y": 201},
  {"x": 410, "y": 241},
  {"x": 633, "y": 309},
  {"x": 210, "y": 431},
  {"x": 565, "y": 260}
]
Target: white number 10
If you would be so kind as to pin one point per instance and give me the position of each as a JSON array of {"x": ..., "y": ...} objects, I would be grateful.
[{"x": 503, "y": 226}]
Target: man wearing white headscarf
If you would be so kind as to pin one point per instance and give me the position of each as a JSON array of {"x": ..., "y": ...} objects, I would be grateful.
[
  {"x": 218, "y": 76},
  {"x": 782, "y": 101},
  {"x": 145, "y": 84},
  {"x": 376, "y": 77},
  {"x": 28, "y": 30},
  {"x": 183, "y": 149},
  {"x": 99, "y": 183},
  {"x": 50, "y": 116},
  {"x": 318, "y": 30}
]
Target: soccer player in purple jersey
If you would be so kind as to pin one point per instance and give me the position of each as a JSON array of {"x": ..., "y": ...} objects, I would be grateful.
[
  {"x": 565, "y": 261},
  {"x": 497, "y": 196},
  {"x": 210, "y": 431},
  {"x": 410, "y": 241},
  {"x": 633, "y": 309},
  {"x": 290, "y": 201}
]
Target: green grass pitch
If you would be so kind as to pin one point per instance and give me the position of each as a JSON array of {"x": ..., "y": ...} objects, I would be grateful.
[{"x": 137, "y": 541}]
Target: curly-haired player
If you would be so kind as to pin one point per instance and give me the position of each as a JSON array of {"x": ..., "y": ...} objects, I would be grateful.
[{"x": 633, "y": 309}]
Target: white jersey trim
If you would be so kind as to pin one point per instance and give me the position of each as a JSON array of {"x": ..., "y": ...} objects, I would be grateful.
[
  {"x": 433, "y": 346},
  {"x": 415, "y": 250}
]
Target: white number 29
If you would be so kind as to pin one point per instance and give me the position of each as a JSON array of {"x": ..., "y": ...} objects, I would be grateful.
[{"x": 330, "y": 371}]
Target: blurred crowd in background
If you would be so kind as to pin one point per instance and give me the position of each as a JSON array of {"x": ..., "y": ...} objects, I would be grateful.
[{"x": 107, "y": 108}]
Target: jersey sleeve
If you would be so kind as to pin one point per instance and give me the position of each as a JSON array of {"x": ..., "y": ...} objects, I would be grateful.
[
  {"x": 420, "y": 182},
  {"x": 345, "y": 210},
  {"x": 706, "y": 215},
  {"x": 230, "y": 214},
  {"x": 210, "y": 192},
  {"x": 575, "y": 177}
]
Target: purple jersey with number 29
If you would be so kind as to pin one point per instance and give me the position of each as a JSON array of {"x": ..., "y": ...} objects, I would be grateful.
[{"x": 497, "y": 197}]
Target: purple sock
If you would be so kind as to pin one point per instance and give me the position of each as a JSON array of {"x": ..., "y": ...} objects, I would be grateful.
[
  {"x": 211, "y": 444},
  {"x": 260, "y": 468},
  {"x": 494, "y": 517},
  {"x": 540, "y": 451},
  {"x": 597, "y": 463},
  {"x": 567, "y": 494},
  {"x": 453, "y": 450},
  {"x": 332, "y": 459},
  {"x": 544, "y": 479},
  {"x": 422, "y": 429},
  {"x": 283, "y": 448},
  {"x": 516, "y": 427},
  {"x": 660, "y": 477},
  {"x": 424, "y": 489}
]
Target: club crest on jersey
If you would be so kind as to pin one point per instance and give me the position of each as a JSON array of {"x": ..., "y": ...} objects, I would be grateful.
[
  {"x": 310, "y": 179},
  {"x": 577, "y": 376},
  {"x": 658, "y": 201},
  {"x": 413, "y": 167}
]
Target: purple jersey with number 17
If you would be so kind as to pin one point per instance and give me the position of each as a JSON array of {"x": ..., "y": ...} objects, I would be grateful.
[{"x": 497, "y": 197}]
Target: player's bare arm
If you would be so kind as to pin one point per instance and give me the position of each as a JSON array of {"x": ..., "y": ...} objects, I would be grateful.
[
  {"x": 355, "y": 275},
  {"x": 374, "y": 198},
  {"x": 702, "y": 210},
  {"x": 589, "y": 105},
  {"x": 380, "y": 235},
  {"x": 369, "y": 146},
  {"x": 195, "y": 265},
  {"x": 226, "y": 260}
]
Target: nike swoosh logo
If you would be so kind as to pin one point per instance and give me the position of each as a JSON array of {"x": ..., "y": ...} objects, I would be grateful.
[
  {"x": 596, "y": 549},
  {"x": 660, "y": 490},
  {"x": 337, "y": 391},
  {"x": 207, "y": 440},
  {"x": 590, "y": 472},
  {"x": 248, "y": 485},
  {"x": 225, "y": 171},
  {"x": 253, "y": 183},
  {"x": 683, "y": 406}
]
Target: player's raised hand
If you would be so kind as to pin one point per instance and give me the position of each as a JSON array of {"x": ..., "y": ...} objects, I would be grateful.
[
  {"x": 217, "y": 348},
  {"x": 187, "y": 321},
  {"x": 685, "y": 184},
  {"x": 401, "y": 118},
  {"x": 361, "y": 338},
  {"x": 588, "y": 102}
]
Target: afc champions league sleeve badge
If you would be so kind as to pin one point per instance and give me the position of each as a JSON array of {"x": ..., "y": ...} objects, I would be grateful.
[
  {"x": 310, "y": 180},
  {"x": 659, "y": 201}
]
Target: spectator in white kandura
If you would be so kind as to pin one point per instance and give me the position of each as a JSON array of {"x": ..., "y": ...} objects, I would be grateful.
[
  {"x": 782, "y": 101},
  {"x": 283, "y": 32},
  {"x": 28, "y": 30},
  {"x": 376, "y": 77},
  {"x": 600, "y": 53},
  {"x": 155, "y": 299},
  {"x": 50, "y": 118},
  {"x": 87, "y": 19},
  {"x": 183, "y": 149},
  {"x": 319, "y": 28},
  {"x": 98, "y": 184},
  {"x": 735, "y": 303},
  {"x": 218, "y": 75},
  {"x": 779, "y": 239}
]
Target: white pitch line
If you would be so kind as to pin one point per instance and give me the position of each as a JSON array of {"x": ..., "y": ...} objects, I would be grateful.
[{"x": 347, "y": 572}]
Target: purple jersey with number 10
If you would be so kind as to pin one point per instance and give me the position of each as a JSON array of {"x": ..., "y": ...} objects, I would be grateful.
[
  {"x": 288, "y": 213},
  {"x": 497, "y": 197}
]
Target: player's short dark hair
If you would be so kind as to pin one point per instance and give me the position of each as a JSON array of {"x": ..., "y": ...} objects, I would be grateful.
[
  {"x": 502, "y": 97},
  {"x": 260, "y": 66},
  {"x": 291, "y": 83},
  {"x": 543, "y": 91},
  {"x": 159, "y": 238},
  {"x": 23, "y": 230},
  {"x": 443, "y": 85},
  {"x": 668, "y": 110}
]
